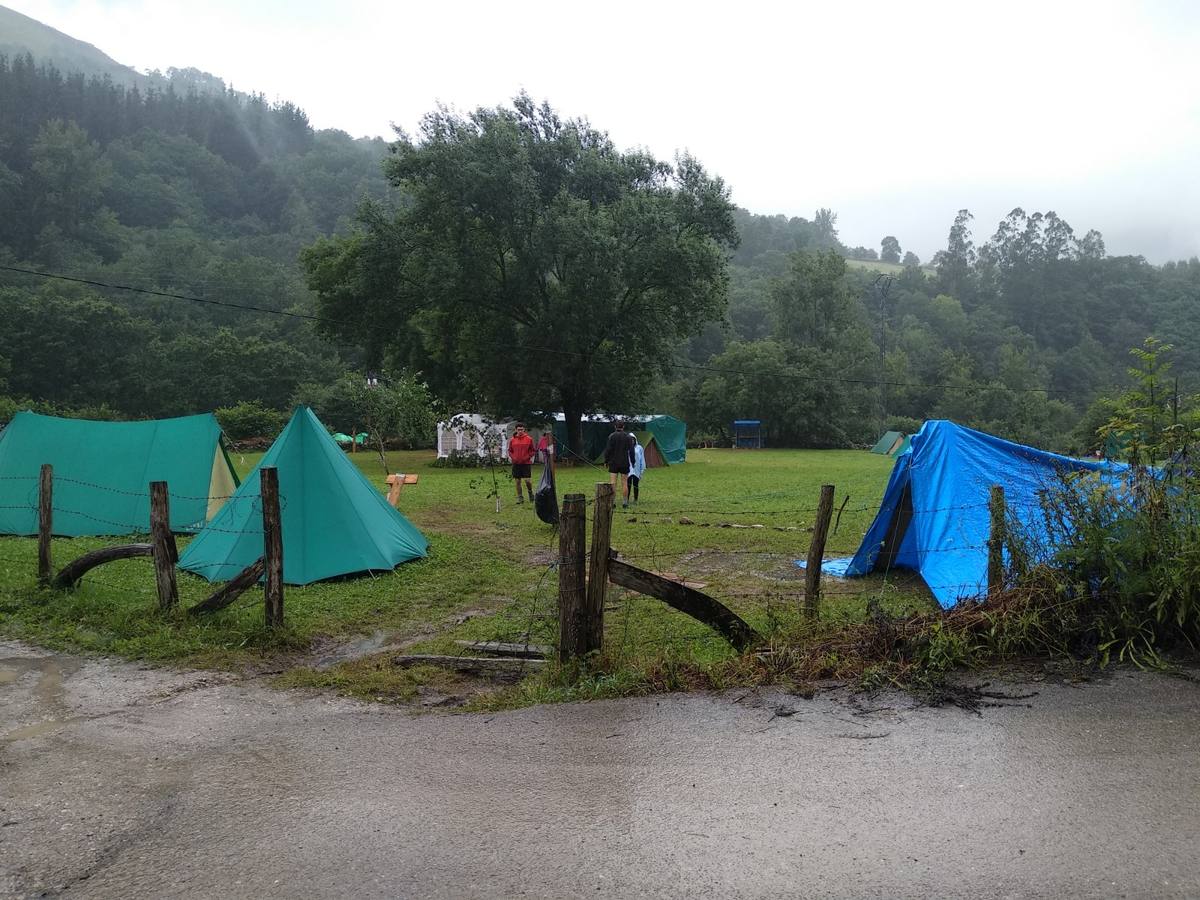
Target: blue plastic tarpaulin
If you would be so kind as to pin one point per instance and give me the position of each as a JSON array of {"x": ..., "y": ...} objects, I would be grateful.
[{"x": 934, "y": 517}]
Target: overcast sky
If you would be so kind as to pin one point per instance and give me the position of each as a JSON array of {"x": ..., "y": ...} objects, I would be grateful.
[{"x": 895, "y": 115}]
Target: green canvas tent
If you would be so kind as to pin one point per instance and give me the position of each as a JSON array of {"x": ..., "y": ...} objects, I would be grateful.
[
  {"x": 669, "y": 433},
  {"x": 889, "y": 443},
  {"x": 334, "y": 521},
  {"x": 671, "y": 436},
  {"x": 102, "y": 473},
  {"x": 655, "y": 458}
]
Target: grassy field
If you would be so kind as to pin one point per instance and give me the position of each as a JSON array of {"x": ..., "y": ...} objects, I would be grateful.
[
  {"x": 886, "y": 268},
  {"x": 490, "y": 575}
]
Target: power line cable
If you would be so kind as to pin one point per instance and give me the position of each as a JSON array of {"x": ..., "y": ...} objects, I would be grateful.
[
  {"x": 167, "y": 294},
  {"x": 696, "y": 367}
]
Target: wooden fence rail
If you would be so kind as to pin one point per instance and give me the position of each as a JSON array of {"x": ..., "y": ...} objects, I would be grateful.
[
  {"x": 165, "y": 552},
  {"x": 816, "y": 554},
  {"x": 574, "y": 635},
  {"x": 583, "y": 583},
  {"x": 698, "y": 605},
  {"x": 45, "y": 523}
]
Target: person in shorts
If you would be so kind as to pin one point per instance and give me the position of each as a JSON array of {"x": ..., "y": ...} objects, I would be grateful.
[
  {"x": 520, "y": 453},
  {"x": 618, "y": 453}
]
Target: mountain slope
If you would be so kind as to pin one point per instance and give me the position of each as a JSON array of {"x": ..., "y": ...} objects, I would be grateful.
[{"x": 20, "y": 34}]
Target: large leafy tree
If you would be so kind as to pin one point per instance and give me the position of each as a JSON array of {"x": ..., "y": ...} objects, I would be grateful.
[
  {"x": 889, "y": 249},
  {"x": 533, "y": 264}
]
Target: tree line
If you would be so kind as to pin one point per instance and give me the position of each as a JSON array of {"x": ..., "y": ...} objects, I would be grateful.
[{"x": 517, "y": 262}]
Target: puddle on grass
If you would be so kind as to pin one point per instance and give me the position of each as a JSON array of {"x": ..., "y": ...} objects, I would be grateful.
[{"x": 328, "y": 657}]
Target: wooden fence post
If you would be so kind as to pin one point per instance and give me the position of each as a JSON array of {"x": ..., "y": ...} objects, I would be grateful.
[
  {"x": 165, "y": 552},
  {"x": 572, "y": 577},
  {"x": 45, "y": 523},
  {"x": 816, "y": 553},
  {"x": 597, "y": 587},
  {"x": 995, "y": 565},
  {"x": 272, "y": 546}
]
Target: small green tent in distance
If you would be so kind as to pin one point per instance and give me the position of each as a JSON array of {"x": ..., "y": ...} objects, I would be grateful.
[
  {"x": 334, "y": 521},
  {"x": 889, "y": 443},
  {"x": 102, "y": 473},
  {"x": 655, "y": 458},
  {"x": 669, "y": 433}
]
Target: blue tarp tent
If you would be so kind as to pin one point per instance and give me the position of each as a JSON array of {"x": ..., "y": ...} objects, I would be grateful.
[{"x": 934, "y": 516}]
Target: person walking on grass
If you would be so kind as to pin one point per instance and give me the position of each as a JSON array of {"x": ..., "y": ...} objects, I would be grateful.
[
  {"x": 520, "y": 453},
  {"x": 637, "y": 465},
  {"x": 545, "y": 447},
  {"x": 618, "y": 453}
]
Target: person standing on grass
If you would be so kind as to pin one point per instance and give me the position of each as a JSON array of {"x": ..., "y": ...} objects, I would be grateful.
[
  {"x": 637, "y": 465},
  {"x": 618, "y": 453},
  {"x": 546, "y": 447},
  {"x": 520, "y": 454}
]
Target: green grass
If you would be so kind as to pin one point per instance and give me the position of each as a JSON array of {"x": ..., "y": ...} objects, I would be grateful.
[
  {"x": 489, "y": 574},
  {"x": 886, "y": 268}
]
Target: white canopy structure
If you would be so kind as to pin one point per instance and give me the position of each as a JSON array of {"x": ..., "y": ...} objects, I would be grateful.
[{"x": 475, "y": 433}]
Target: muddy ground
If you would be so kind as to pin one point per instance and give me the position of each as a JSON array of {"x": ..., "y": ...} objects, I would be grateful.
[{"x": 123, "y": 781}]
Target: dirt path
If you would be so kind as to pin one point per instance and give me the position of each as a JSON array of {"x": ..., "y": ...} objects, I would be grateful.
[{"x": 117, "y": 780}]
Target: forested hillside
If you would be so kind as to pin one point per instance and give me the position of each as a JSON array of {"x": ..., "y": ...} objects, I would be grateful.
[
  {"x": 20, "y": 34},
  {"x": 180, "y": 186},
  {"x": 178, "y": 190},
  {"x": 1018, "y": 333}
]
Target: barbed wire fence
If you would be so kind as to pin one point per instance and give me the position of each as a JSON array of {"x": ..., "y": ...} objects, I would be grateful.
[
  {"x": 44, "y": 512},
  {"x": 767, "y": 582},
  {"x": 762, "y": 582}
]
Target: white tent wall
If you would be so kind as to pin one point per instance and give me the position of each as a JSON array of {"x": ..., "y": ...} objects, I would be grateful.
[{"x": 471, "y": 432}]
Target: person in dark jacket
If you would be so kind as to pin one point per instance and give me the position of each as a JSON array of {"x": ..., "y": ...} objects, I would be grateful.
[{"x": 618, "y": 454}]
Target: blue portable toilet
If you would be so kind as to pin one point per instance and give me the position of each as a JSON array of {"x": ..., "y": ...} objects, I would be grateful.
[{"x": 747, "y": 434}]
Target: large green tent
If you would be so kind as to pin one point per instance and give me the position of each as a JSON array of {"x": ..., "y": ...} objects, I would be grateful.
[
  {"x": 334, "y": 521},
  {"x": 669, "y": 433},
  {"x": 102, "y": 473}
]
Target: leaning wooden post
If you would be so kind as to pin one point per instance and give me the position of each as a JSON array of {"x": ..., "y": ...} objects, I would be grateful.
[
  {"x": 165, "y": 553},
  {"x": 995, "y": 565},
  {"x": 572, "y": 576},
  {"x": 272, "y": 546},
  {"x": 816, "y": 553},
  {"x": 45, "y": 523},
  {"x": 597, "y": 587}
]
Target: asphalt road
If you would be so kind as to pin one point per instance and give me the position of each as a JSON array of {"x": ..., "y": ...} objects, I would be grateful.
[{"x": 118, "y": 781}]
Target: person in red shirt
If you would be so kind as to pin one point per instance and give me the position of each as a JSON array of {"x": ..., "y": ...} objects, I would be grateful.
[
  {"x": 520, "y": 453},
  {"x": 545, "y": 447}
]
